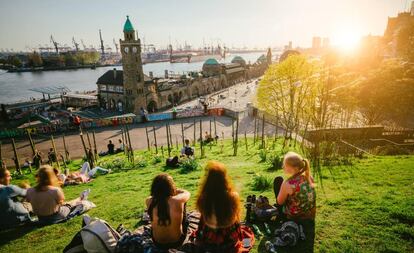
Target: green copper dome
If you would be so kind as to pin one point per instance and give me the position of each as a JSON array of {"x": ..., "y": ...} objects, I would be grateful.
[
  {"x": 211, "y": 61},
  {"x": 128, "y": 26}
]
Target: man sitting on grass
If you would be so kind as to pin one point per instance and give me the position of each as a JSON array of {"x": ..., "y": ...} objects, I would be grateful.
[
  {"x": 187, "y": 150},
  {"x": 12, "y": 212}
]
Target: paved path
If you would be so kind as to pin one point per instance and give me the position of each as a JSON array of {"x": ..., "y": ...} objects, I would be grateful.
[{"x": 137, "y": 133}]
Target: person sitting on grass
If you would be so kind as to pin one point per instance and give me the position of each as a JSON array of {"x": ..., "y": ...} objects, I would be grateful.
[
  {"x": 219, "y": 205},
  {"x": 12, "y": 212},
  {"x": 111, "y": 148},
  {"x": 166, "y": 207},
  {"x": 121, "y": 147},
  {"x": 187, "y": 150},
  {"x": 47, "y": 198},
  {"x": 296, "y": 195}
]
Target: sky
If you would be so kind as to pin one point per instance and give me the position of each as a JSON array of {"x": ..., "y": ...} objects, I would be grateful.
[{"x": 235, "y": 23}]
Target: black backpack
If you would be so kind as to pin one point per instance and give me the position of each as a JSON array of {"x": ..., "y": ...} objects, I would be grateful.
[{"x": 188, "y": 151}]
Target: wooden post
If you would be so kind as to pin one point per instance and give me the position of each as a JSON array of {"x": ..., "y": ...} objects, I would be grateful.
[
  {"x": 16, "y": 158},
  {"x": 176, "y": 142},
  {"x": 222, "y": 141},
  {"x": 83, "y": 144},
  {"x": 263, "y": 129},
  {"x": 89, "y": 140},
  {"x": 194, "y": 137},
  {"x": 162, "y": 150},
  {"x": 67, "y": 158},
  {"x": 215, "y": 128},
  {"x": 155, "y": 140},
  {"x": 245, "y": 140},
  {"x": 148, "y": 142},
  {"x": 168, "y": 140},
  {"x": 130, "y": 145},
  {"x": 236, "y": 140},
  {"x": 201, "y": 139},
  {"x": 124, "y": 141},
  {"x": 54, "y": 150},
  {"x": 255, "y": 131},
  {"x": 171, "y": 140},
  {"x": 210, "y": 129},
  {"x": 95, "y": 148},
  {"x": 182, "y": 133},
  {"x": 232, "y": 131},
  {"x": 32, "y": 144}
]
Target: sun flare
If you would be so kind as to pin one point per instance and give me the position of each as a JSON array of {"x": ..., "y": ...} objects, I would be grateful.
[{"x": 347, "y": 38}]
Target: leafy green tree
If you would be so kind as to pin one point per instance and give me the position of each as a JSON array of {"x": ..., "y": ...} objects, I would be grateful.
[
  {"x": 35, "y": 60},
  {"x": 15, "y": 61}
]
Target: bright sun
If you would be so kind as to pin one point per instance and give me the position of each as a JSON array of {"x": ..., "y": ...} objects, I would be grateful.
[{"x": 347, "y": 38}]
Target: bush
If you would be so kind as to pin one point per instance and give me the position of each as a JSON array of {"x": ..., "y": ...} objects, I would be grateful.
[
  {"x": 391, "y": 150},
  {"x": 189, "y": 165},
  {"x": 276, "y": 161},
  {"x": 142, "y": 163},
  {"x": 263, "y": 155},
  {"x": 115, "y": 164},
  {"x": 157, "y": 159},
  {"x": 261, "y": 183}
]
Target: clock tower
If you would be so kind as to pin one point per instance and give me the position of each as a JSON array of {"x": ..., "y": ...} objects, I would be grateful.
[{"x": 133, "y": 75}]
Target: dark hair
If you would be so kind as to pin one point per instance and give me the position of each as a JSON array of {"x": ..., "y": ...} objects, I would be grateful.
[
  {"x": 187, "y": 141},
  {"x": 162, "y": 188},
  {"x": 217, "y": 197},
  {"x": 3, "y": 172}
]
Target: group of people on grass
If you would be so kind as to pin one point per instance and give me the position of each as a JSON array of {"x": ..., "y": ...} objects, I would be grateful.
[
  {"x": 220, "y": 207},
  {"x": 217, "y": 202}
]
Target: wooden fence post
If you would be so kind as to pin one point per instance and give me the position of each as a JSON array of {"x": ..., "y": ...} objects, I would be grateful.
[
  {"x": 65, "y": 148},
  {"x": 215, "y": 128},
  {"x": 255, "y": 131},
  {"x": 130, "y": 145},
  {"x": 155, "y": 140},
  {"x": 95, "y": 148},
  {"x": 16, "y": 157},
  {"x": 168, "y": 140},
  {"x": 194, "y": 137},
  {"x": 148, "y": 142},
  {"x": 54, "y": 150},
  {"x": 32, "y": 144},
  {"x": 210, "y": 129},
  {"x": 182, "y": 133},
  {"x": 201, "y": 138},
  {"x": 89, "y": 140},
  {"x": 236, "y": 142}
]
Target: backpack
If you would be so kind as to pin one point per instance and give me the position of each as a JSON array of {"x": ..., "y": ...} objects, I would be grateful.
[
  {"x": 95, "y": 236},
  {"x": 188, "y": 151}
]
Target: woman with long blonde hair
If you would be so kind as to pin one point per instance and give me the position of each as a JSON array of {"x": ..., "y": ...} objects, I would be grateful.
[
  {"x": 296, "y": 195},
  {"x": 47, "y": 197},
  {"x": 219, "y": 205}
]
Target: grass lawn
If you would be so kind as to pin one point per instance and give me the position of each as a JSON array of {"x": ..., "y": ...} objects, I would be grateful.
[{"x": 364, "y": 207}]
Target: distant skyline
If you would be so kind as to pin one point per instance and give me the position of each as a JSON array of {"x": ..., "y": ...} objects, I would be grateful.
[{"x": 238, "y": 23}]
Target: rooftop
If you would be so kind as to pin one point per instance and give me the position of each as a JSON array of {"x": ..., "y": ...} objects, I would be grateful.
[{"x": 128, "y": 26}]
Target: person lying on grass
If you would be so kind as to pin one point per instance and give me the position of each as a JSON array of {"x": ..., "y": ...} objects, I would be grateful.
[
  {"x": 219, "y": 205},
  {"x": 85, "y": 175},
  {"x": 296, "y": 195},
  {"x": 47, "y": 198},
  {"x": 166, "y": 210},
  {"x": 12, "y": 212}
]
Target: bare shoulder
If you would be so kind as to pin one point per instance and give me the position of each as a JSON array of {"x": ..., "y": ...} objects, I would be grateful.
[{"x": 148, "y": 201}]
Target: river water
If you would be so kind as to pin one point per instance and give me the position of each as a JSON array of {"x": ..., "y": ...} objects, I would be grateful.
[{"x": 15, "y": 87}]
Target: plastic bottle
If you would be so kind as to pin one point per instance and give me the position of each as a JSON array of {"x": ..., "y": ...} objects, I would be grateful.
[{"x": 267, "y": 229}]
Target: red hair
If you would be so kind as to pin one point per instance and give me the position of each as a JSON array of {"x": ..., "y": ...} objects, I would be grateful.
[{"x": 216, "y": 196}]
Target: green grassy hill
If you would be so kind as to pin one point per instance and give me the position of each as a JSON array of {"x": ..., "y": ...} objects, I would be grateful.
[{"x": 364, "y": 207}]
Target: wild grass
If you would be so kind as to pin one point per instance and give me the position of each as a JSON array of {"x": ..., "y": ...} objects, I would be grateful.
[{"x": 366, "y": 206}]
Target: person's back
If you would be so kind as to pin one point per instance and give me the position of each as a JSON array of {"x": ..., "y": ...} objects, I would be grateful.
[
  {"x": 172, "y": 232},
  {"x": 46, "y": 201},
  {"x": 166, "y": 208},
  {"x": 301, "y": 203},
  {"x": 111, "y": 148},
  {"x": 11, "y": 211}
]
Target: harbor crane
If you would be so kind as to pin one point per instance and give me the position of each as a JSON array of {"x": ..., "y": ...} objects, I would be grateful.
[
  {"x": 83, "y": 45},
  {"x": 102, "y": 45},
  {"x": 116, "y": 46},
  {"x": 55, "y": 44},
  {"x": 75, "y": 44}
]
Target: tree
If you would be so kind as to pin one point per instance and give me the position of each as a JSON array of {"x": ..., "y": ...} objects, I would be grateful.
[
  {"x": 35, "y": 60},
  {"x": 283, "y": 91},
  {"x": 15, "y": 61}
]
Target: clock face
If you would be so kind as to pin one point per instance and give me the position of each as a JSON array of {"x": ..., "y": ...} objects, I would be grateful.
[
  {"x": 134, "y": 49},
  {"x": 126, "y": 49}
]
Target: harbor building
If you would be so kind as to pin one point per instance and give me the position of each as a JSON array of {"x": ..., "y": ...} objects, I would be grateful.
[{"x": 129, "y": 90}]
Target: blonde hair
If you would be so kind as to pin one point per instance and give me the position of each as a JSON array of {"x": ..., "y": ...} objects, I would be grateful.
[
  {"x": 297, "y": 161},
  {"x": 46, "y": 177}
]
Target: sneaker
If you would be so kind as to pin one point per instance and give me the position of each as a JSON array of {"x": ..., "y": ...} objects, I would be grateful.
[{"x": 84, "y": 195}]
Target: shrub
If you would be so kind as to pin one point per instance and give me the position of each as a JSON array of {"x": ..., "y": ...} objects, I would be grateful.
[
  {"x": 391, "y": 150},
  {"x": 157, "y": 159},
  {"x": 142, "y": 163},
  {"x": 261, "y": 183},
  {"x": 263, "y": 155},
  {"x": 189, "y": 165},
  {"x": 115, "y": 164},
  {"x": 276, "y": 161}
]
